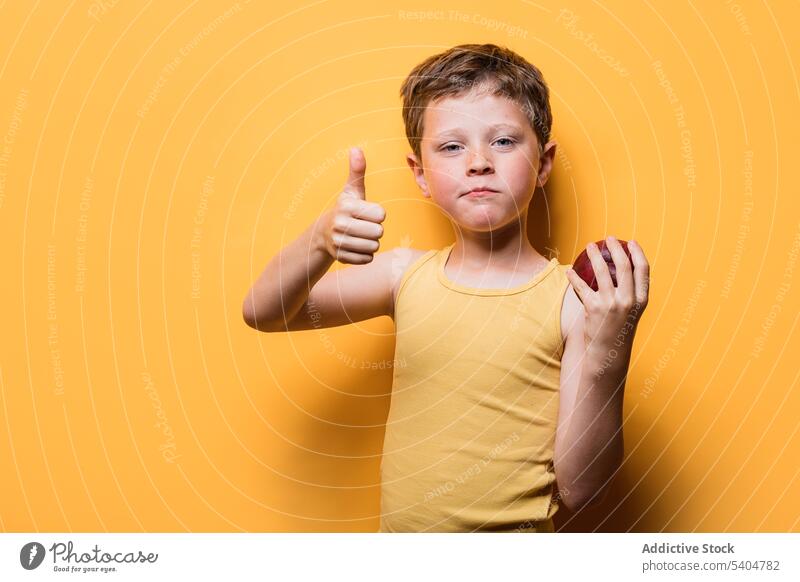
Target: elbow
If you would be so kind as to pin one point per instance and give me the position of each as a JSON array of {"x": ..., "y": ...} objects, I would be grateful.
[
  {"x": 258, "y": 325},
  {"x": 249, "y": 320},
  {"x": 578, "y": 502},
  {"x": 248, "y": 313},
  {"x": 250, "y": 317},
  {"x": 573, "y": 504},
  {"x": 577, "y": 505},
  {"x": 261, "y": 324},
  {"x": 576, "y": 499}
]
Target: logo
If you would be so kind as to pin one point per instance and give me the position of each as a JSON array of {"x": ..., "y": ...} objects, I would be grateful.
[{"x": 31, "y": 555}]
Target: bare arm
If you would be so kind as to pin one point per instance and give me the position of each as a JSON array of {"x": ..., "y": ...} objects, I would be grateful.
[
  {"x": 295, "y": 290},
  {"x": 589, "y": 443},
  {"x": 283, "y": 287}
]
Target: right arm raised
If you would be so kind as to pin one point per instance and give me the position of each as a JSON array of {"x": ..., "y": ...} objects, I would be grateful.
[{"x": 296, "y": 292}]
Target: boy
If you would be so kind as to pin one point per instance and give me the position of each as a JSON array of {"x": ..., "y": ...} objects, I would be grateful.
[{"x": 515, "y": 367}]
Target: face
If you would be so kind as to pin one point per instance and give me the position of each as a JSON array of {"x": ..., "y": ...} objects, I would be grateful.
[{"x": 484, "y": 141}]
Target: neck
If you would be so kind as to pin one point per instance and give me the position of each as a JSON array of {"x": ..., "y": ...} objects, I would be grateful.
[{"x": 506, "y": 247}]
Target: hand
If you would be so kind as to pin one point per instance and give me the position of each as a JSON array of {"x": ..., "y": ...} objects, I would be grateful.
[
  {"x": 612, "y": 313},
  {"x": 350, "y": 231}
]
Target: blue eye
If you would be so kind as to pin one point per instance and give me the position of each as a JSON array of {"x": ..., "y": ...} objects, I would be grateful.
[
  {"x": 506, "y": 139},
  {"x": 450, "y": 145}
]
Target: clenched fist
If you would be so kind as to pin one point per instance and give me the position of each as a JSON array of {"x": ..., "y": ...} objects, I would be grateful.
[{"x": 350, "y": 231}]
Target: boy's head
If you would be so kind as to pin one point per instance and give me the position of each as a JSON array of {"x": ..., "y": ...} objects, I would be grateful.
[{"x": 478, "y": 116}]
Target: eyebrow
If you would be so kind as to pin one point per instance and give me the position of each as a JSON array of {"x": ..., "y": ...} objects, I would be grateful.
[{"x": 457, "y": 130}]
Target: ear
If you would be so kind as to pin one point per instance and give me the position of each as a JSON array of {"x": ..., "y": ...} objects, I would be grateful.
[
  {"x": 546, "y": 162},
  {"x": 419, "y": 175}
]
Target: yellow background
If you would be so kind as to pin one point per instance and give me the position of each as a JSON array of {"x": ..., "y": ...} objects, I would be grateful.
[{"x": 155, "y": 155}]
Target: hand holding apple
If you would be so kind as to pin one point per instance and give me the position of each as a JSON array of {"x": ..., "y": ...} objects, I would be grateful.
[
  {"x": 583, "y": 265},
  {"x": 612, "y": 280}
]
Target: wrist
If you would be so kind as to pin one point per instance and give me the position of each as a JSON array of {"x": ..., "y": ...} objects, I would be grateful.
[
  {"x": 317, "y": 234},
  {"x": 608, "y": 355}
]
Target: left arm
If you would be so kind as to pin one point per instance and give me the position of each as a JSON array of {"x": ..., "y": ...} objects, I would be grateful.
[{"x": 594, "y": 368}]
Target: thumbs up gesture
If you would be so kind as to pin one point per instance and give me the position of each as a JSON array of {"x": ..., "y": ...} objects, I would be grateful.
[{"x": 352, "y": 228}]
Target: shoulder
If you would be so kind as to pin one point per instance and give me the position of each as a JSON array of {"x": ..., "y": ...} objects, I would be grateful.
[
  {"x": 400, "y": 259},
  {"x": 572, "y": 312}
]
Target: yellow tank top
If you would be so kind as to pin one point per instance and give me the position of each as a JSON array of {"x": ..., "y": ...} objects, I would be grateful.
[{"x": 474, "y": 407}]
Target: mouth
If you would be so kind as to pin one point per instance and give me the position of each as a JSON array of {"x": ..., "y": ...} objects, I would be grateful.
[{"x": 479, "y": 192}]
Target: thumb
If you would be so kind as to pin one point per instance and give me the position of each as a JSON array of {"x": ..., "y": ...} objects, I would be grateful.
[{"x": 355, "y": 181}]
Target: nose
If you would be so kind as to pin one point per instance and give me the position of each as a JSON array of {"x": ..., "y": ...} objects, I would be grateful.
[{"x": 479, "y": 164}]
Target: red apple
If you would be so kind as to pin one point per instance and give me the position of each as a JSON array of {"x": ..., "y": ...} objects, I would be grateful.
[{"x": 583, "y": 264}]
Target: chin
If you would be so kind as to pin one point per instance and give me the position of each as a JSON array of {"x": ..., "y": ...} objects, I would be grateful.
[{"x": 485, "y": 222}]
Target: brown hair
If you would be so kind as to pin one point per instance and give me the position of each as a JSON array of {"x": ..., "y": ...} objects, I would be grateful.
[{"x": 468, "y": 66}]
